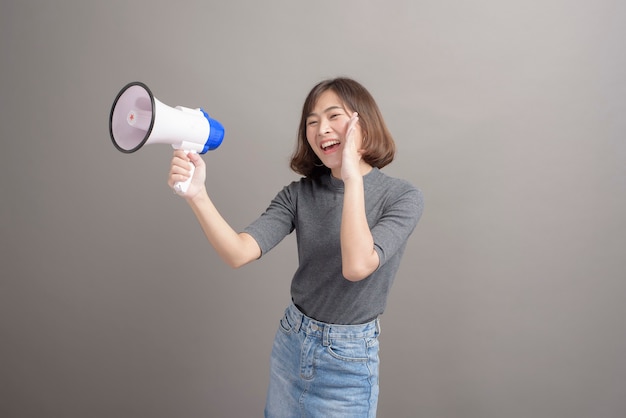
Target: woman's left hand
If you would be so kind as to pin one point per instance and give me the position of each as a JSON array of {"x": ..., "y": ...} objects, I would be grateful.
[{"x": 351, "y": 157}]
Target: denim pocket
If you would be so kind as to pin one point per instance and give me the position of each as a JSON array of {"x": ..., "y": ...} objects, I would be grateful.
[
  {"x": 285, "y": 325},
  {"x": 350, "y": 349}
]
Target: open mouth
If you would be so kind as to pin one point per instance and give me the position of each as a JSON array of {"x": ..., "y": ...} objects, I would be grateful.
[{"x": 329, "y": 146}]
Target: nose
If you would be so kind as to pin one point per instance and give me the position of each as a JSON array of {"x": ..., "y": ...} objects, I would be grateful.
[{"x": 324, "y": 126}]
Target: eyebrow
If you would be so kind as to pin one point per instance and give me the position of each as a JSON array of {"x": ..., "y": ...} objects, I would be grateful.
[{"x": 328, "y": 109}]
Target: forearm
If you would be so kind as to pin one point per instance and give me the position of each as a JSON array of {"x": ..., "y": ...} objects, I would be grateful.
[
  {"x": 236, "y": 249},
  {"x": 359, "y": 259}
]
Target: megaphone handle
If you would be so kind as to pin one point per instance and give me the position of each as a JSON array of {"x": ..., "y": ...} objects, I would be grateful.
[{"x": 182, "y": 186}]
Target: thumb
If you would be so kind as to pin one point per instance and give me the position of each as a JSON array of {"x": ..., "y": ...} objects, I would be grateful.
[{"x": 195, "y": 159}]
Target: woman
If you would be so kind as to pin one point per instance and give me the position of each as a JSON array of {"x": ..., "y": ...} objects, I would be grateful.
[{"x": 352, "y": 224}]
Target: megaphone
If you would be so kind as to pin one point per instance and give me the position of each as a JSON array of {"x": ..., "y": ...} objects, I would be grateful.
[{"x": 138, "y": 118}]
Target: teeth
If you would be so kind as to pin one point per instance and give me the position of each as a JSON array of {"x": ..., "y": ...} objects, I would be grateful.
[{"x": 329, "y": 143}]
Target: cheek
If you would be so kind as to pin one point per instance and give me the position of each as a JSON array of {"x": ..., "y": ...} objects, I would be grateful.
[
  {"x": 310, "y": 139},
  {"x": 341, "y": 126}
]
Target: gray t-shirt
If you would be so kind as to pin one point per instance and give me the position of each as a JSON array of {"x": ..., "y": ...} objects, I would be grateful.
[{"x": 313, "y": 208}]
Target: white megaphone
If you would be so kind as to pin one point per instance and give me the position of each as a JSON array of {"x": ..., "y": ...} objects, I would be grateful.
[{"x": 138, "y": 118}]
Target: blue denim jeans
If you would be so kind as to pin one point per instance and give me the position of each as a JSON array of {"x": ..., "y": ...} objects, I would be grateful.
[{"x": 323, "y": 370}]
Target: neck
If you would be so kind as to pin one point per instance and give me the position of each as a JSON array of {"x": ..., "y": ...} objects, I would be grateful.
[{"x": 364, "y": 168}]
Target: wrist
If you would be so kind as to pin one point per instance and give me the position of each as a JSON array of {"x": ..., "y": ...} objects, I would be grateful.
[
  {"x": 198, "y": 198},
  {"x": 355, "y": 180}
]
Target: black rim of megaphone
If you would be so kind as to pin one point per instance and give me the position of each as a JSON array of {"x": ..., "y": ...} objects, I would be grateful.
[{"x": 122, "y": 91}]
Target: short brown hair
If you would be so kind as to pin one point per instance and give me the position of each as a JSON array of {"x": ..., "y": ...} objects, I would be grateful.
[{"x": 378, "y": 144}]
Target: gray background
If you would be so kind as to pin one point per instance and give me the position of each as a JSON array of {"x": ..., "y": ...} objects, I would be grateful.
[{"x": 509, "y": 115}]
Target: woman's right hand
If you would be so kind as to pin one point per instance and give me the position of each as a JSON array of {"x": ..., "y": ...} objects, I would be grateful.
[{"x": 180, "y": 172}]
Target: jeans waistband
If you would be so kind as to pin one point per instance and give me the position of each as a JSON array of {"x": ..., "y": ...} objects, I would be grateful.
[{"x": 310, "y": 326}]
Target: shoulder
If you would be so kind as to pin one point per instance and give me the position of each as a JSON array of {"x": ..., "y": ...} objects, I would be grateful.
[
  {"x": 305, "y": 184},
  {"x": 398, "y": 196},
  {"x": 301, "y": 187},
  {"x": 396, "y": 186}
]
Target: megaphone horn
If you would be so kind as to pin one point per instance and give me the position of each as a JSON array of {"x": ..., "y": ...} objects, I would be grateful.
[{"x": 138, "y": 118}]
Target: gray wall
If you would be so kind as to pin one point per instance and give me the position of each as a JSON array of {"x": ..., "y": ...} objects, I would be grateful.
[{"x": 508, "y": 114}]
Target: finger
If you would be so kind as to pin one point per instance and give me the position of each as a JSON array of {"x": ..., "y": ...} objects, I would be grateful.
[
  {"x": 179, "y": 165},
  {"x": 175, "y": 177},
  {"x": 179, "y": 153},
  {"x": 194, "y": 158},
  {"x": 354, "y": 119},
  {"x": 180, "y": 169}
]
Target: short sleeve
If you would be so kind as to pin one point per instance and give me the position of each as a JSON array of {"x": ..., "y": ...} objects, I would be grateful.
[
  {"x": 276, "y": 222},
  {"x": 398, "y": 220}
]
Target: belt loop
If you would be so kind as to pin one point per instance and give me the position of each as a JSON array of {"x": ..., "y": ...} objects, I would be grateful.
[
  {"x": 299, "y": 318},
  {"x": 377, "y": 326},
  {"x": 326, "y": 336}
]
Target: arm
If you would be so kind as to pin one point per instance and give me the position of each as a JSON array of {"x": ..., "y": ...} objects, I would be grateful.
[
  {"x": 236, "y": 249},
  {"x": 358, "y": 257}
]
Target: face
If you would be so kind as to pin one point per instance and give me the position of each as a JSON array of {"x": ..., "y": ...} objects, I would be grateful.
[{"x": 326, "y": 127}]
